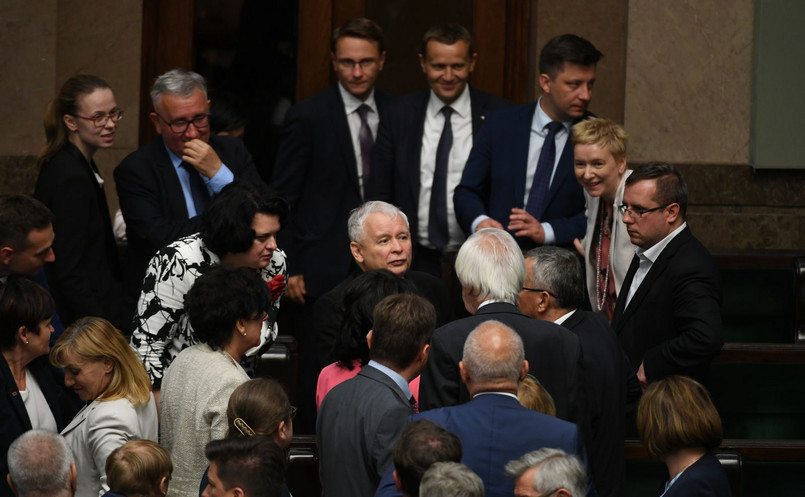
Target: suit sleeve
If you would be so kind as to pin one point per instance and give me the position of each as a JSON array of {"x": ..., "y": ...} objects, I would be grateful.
[
  {"x": 109, "y": 427},
  {"x": 697, "y": 319},
  {"x": 471, "y": 196},
  {"x": 388, "y": 431},
  {"x": 565, "y": 229},
  {"x": 440, "y": 382}
]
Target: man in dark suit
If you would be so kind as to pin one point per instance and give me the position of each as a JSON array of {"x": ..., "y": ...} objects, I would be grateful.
[
  {"x": 361, "y": 419},
  {"x": 520, "y": 172},
  {"x": 493, "y": 427},
  {"x": 164, "y": 186},
  {"x": 554, "y": 291},
  {"x": 491, "y": 270},
  {"x": 425, "y": 139},
  {"x": 668, "y": 314},
  {"x": 380, "y": 239},
  {"x": 322, "y": 166}
]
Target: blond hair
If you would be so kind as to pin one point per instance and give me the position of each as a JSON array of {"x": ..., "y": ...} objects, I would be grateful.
[{"x": 604, "y": 133}]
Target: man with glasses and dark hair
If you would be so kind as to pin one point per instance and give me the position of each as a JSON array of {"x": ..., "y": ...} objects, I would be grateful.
[
  {"x": 164, "y": 186},
  {"x": 668, "y": 315}
]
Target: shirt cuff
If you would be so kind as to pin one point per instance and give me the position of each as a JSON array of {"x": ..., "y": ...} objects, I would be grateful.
[
  {"x": 222, "y": 178},
  {"x": 550, "y": 237},
  {"x": 478, "y": 220}
]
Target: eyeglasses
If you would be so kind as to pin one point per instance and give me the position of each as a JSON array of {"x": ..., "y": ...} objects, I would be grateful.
[
  {"x": 638, "y": 212},
  {"x": 100, "y": 121},
  {"x": 179, "y": 126},
  {"x": 350, "y": 64},
  {"x": 539, "y": 290}
]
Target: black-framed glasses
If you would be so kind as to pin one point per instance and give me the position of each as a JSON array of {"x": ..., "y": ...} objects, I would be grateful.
[
  {"x": 538, "y": 290},
  {"x": 638, "y": 212},
  {"x": 100, "y": 121},
  {"x": 179, "y": 126}
]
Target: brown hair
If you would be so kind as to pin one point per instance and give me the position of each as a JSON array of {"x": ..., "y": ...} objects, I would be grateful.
[
  {"x": 256, "y": 408},
  {"x": 65, "y": 103},
  {"x": 534, "y": 396},
  {"x": 602, "y": 132},
  {"x": 359, "y": 27},
  {"x": 670, "y": 186},
  {"x": 677, "y": 413},
  {"x": 137, "y": 467},
  {"x": 403, "y": 324},
  {"x": 448, "y": 34}
]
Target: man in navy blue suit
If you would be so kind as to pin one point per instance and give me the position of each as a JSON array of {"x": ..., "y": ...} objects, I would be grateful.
[
  {"x": 520, "y": 172},
  {"x": 494, "y": 427},
  {"x": 425, "y": 139}
]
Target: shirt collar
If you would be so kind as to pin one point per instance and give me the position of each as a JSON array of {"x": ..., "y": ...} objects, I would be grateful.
[
  {"x": 565, "y": 317},
  {"x": 351, "y": 102},
  {"x": 175, "y": 160},
  {"x": 495, "y": 393},
  {"x": 652, "y": 253},
  {"x": 541, "y": 119},
  {"x": 460, "y": 106},
  {"x": 395, "y": 377}
]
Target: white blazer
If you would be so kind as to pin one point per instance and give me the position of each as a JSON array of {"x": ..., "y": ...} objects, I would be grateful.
[
  {"x": 621, "y": 250},
  {"x": 98, "y": 429}
]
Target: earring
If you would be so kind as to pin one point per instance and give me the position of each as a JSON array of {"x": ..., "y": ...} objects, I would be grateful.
[
  {"x": 26, "y": 342},
  {"x": 244, "y": 333}
]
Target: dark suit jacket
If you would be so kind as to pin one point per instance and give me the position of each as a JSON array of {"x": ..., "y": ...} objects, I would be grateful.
[
  {"x": 86, "y": 278},
  {"x": 316, "y": 172},
  {"x": 494, "y": 178},
  {"x": 673, "y": 322},
  {"x": 14, "y": 420},
  {"x": 359, "y": 422},
  {"x": 607, "y": 373},
  {"x": 495, "y": 429},
  {"x": 327, "y": 316},
  {"x": 704, "y": 478},
  {"x": 553, "y": 353},
  {"x": 154, "y": 206},
  {"x": 396, "y": 156}
]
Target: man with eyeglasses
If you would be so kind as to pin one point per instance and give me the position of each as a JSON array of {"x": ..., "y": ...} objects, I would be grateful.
[
  {"x": 164, "y": 186},
  {"x": 668, "y": 314},
  {"x": 322, "y": 168},
  {"x": 548, "y": 473}
]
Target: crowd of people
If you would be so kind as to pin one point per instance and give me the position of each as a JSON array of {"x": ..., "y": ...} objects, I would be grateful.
[{"x": 486, "y": 299}]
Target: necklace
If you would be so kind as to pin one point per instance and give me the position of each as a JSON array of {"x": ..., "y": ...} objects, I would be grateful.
[{"x": 601, "y": 296}]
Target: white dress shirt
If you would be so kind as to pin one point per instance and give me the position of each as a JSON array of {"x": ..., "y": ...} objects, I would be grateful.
[
  {"x": 647, "y": 258},
  {"x": 351, "y": 104}
]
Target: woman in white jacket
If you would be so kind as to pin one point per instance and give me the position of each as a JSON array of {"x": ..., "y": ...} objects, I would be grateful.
[
  {"x": 105, "y": 372},
  {"x": 600, "y": 166}
]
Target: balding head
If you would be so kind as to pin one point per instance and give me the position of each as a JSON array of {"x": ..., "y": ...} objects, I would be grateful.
[{"x": 493, "y": 359}]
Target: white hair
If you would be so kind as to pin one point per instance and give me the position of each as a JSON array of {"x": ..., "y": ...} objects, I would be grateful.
[
  {"x": 556, "y": 469},
  {"x": 491, "y": 265},
  {"x": 178, "y": 82},
  {"x": 450, "y": 479},
  {"x": 39, "y": 462},
  {"x": 358, "y": 216}
]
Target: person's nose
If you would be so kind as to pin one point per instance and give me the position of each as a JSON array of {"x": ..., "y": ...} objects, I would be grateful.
[
  {"x": 586, "y": 92},
  {"x": 449, "y": 74},
  {"x": 50, "y": 256},
  {"x": 69, "y": 380},
  {"x": 271, "y": 243},
  {"x": 357, "y": 71},
  {"x": 191, "y": 133},
  {"x": 588, "y": 173}
]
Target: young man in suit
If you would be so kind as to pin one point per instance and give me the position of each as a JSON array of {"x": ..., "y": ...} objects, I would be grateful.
[
  {"x": 322, "y": 168},
  {"x": 424, "y": 142},
  {"x": 520, "y": 172},
  {"x": 554, "y": 291},
  {"x": 668, "y": 314},
  {"x": 164, "y": 186},
  {"x": 361, "y": 419}
]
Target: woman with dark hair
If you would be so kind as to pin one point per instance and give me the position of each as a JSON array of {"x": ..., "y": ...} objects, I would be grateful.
[
  {"x": 226, "y": 307},
  {"x": 86, "y": 276},
  {"x": 30, "y": 397},
  {"x": 679, "y": 424},
  {"x": 355, "y": 314}
]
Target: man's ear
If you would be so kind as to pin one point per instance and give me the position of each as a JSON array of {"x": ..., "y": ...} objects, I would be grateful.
[
  {"x": 393, "y": 475},
  {"x": 381, "y": 61},
  {"x": 543, "y": 301},
  {"x": 237, "y": 492},
  {"x": 424, "y": 353},
  {"x": 673, "y": 213},
  {"x": 465, "y": 375},
  {"x": 11, "y": 483},
  {"x": 163, "y": 486},
  {"x": 524, "y": 370},
  {"x": 334, "y": 61},
  {"x": 545, "y": 83},
  {"x": 6, "y": 255},
  {"x": 357, "y": 254},
  {"x": 369, "y": 337},
  {"x": 155, "y": 119}
]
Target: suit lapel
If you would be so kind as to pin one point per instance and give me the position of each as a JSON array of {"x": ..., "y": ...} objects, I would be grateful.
[
  {"x": 79, "y": 418},
  {"x": 168, "y": 178},
  {"x": 617, "y": 316},
  {"x": 13, "y": 394},
  {"x": 343, "y": 136},
  {"x": 381, "y": 377},
  {"x": 519, "y": 158},
  {"x": 419, "y": 114},
  {"x": 478, "y": 111}
]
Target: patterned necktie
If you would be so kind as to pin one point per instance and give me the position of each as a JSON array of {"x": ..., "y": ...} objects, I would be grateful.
[
  {"x": 538, "y": 196},
  {"x": 367, "y": 142},
  {"x": 438, "y": 232},
  {"x": 198, "y": 192}
]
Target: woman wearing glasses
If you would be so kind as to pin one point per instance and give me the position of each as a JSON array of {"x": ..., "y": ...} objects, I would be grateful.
[
  {"x": 600, "y": 166},
  {"x": 85, "y": 278}
]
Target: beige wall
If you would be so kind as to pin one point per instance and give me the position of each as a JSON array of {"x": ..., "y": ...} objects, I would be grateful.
[{"x": 42, "y": 43}]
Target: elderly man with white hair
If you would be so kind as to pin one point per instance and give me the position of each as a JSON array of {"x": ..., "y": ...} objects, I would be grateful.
[
  {"x": 546, "y": 472},
  {"x": 491, "y": 269},
  {"x": 40, "y": 464}
]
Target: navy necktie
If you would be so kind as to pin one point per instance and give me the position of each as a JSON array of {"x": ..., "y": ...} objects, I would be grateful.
[
  {"x": 438, "y": 232},
  {"x": 538, "y": 195},
  {"x": 198, "y": 191},
  {"x": 367, "y": 142}
]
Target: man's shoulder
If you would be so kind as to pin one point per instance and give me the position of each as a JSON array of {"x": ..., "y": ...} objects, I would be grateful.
[
  {"x": 686, "y": 253},
  {"x": 148, "y": 154},
  {"x": 318, "y": 103},
  {"x": 489, "y": 100}
]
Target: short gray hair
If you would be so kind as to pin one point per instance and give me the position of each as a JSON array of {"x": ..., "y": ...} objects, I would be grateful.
[
  {"x": 357, "y": 218},
  {"x": 178, "y": 82},
  {"x": 39, "y": 462},
  {"x": 482, "y": 364},
  {"x": 558, "y": 271},
  {"x": 450, "y": 479},
  {"x": 491, "y": 265},
  {"x": 556, "y": 470}
]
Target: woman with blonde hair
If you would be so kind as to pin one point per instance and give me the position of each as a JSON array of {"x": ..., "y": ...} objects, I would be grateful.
[
  {"x": 679, "y": 424},
  {"x": 103, "y": 370},
  {"x": 85, "y": 278},
  {"x": 600, "y": 166}
]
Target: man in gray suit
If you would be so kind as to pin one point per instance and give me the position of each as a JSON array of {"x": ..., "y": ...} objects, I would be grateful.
[{"x": 360, "y": 420}]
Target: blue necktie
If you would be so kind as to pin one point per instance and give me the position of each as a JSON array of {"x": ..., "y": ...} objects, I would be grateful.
[
  {"x": 438, "y": 232},
  {"x": 198, "y": 191},
  {"x": 538, "y": 196}
]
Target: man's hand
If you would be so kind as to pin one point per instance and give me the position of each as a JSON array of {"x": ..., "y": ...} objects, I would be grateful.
[
  {"x": 641, "y": 377},
  {"x": 488, "y": 223},
  {"x": 296, "y": 288},
  {"x": 524, "y": 224},
  {"x": 579, "y": 247},
  {"x": 201, "y": 156}
]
